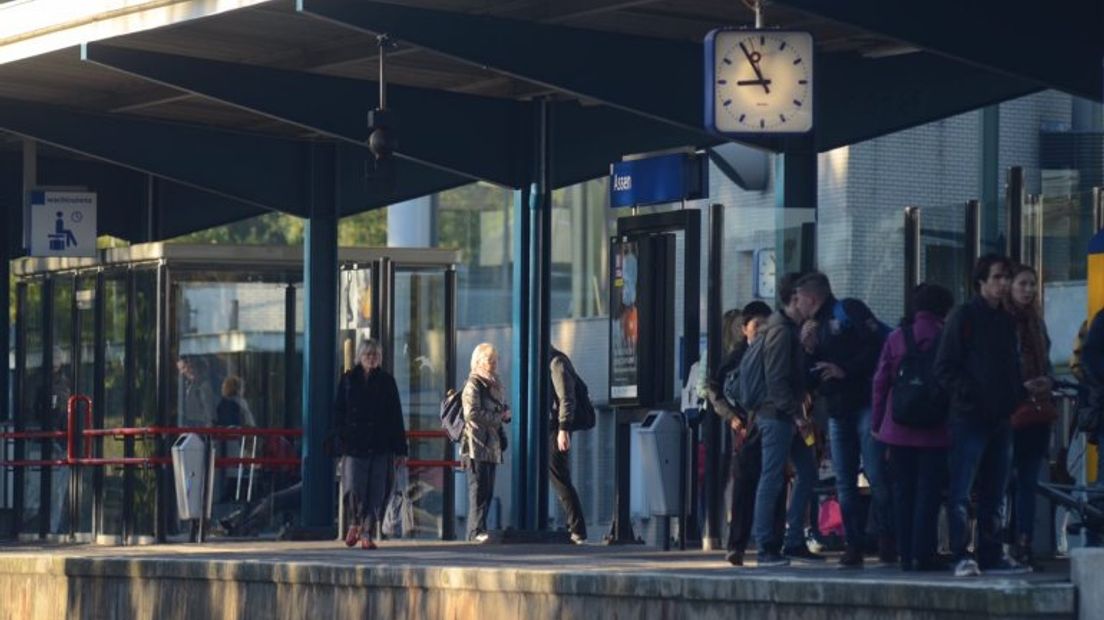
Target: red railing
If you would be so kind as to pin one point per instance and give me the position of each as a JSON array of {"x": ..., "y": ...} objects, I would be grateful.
[{"x": 72, "y": 434}]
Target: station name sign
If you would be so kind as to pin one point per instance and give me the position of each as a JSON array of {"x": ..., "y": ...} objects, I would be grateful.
[{"x": 655, "y": 180}]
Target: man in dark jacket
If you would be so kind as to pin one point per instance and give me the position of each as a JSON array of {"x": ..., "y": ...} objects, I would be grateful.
[
  {"x": 563, "y": 414},
  {"x": 746, "y": 460},
  {"x": 978, "y": 365},
  {"x": 844, "y": 340},
  {"x": 778, "y": 418}
]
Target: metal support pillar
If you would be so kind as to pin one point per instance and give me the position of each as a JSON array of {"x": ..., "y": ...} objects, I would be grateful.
[
  {"x": 540, "y": 325},
  {"x": 448, "y": 484},
  {"x": 522, "y": 287},
  {"x": 972, "y": 234},
  {"x": 1015, "y": 200},
  {"x": 795, "y": 187},
  {"x": 320, "y": 340},
  {"x": 712, "y": 430},
  {"x": 912, "y": 255},
  {"x": 989, "y": 227},
  {"x": 1098, "y": 208}
]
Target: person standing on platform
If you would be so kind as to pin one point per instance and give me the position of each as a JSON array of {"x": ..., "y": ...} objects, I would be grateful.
[
  {"x": 564, "y": 407},
  {"x": 781, "y": 418},
  {"x": 843, "y": 340},
  {"x": 483, "y": 442},
  {"x": 368, "y": 421},
  {"x": 198, "y": 400},
  {"x": 746, "y": 459},
  {"x": 978, "y": 365},
  {"x": 917, "y": 437},
  {"x": 1031, "y": 423}
]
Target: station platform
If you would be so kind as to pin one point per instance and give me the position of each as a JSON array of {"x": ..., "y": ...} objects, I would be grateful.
[{"x": 267, "y": 579}]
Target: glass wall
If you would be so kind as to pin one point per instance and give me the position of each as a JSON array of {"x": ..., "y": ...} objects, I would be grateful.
[
  {"x": 113, "y": 408},
  {"x": 33, "y": 409}
]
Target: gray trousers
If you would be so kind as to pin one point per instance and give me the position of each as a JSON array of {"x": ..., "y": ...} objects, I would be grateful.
[
  {"x": 481, "y": 478},
  {"x": 367, "y": 486}
]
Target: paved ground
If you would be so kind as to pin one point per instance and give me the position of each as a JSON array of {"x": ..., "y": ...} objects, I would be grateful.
[{"x": 592, "y": 559}]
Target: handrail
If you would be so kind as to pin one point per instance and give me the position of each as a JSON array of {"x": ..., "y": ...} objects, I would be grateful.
[{"x": 72, "y": 433}]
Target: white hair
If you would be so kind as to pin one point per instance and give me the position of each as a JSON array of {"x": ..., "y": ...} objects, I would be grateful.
[
  {"x": 482, "y": 352},
  {"x": 368, "y": 345}
]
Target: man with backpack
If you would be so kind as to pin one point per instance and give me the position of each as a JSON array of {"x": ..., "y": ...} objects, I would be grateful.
[
  {"x": 910, "y": 415},
  {"x": 978, "y": 365},
  {"x": 571, "y": 411},
  {"x": 844, "y": 340},
  {"x": 772, "y": 379}
]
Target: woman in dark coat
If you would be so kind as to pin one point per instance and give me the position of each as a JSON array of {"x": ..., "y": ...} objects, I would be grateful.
[{"x": 368, "y": 422}]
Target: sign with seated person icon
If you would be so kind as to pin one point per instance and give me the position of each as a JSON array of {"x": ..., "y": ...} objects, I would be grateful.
[{"x": 62, "y": 223}]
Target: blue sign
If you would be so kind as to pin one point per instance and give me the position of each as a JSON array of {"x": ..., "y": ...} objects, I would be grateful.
[{"x": 666, "y": 178}]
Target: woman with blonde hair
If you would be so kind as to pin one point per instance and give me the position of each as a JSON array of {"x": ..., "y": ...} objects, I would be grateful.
[{"x": 481, "y": 447}]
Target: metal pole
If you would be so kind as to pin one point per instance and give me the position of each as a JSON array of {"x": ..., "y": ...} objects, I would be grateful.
[
  {"x": 1014, "y": 200},
  {"x": 973, "y": 243},
  {"x": 448, "y": 490},
  {"x": 1098, "y": 208},
  {"x": 912, "y": 255},
  {"x": 712, "y": 430},
  {"x": 542, "y": 261},
  {"x": 383, "y": 44}
]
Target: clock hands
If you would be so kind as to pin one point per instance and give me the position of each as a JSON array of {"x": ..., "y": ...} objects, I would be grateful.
[{"x": 754, "y": 58}]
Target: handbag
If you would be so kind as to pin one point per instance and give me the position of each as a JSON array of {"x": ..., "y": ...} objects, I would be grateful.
[{"x": 1034, "y": 412}]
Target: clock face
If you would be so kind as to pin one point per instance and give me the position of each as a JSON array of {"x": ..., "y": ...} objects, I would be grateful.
[
  {"x": 759, "y": 82},
  {"x": 765, "y": 272}
]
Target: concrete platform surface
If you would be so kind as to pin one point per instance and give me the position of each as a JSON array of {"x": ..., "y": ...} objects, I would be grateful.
[{"x": 265, "y": 579}]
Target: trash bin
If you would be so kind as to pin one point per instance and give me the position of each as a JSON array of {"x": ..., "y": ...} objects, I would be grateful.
[
  {"x": 188, "y": 456},
  {"x": 660, "y": 435}
]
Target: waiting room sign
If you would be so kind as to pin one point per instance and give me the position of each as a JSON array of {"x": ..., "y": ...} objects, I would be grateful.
[{"x": 62, "y": 224}]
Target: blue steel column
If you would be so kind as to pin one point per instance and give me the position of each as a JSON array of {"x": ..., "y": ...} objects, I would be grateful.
[
  {"x": 520, "y": 379},
  {"x": 319, "y": 338},
  {"x": 540, "y": 325},
  {"x": 795, "y": 187}
]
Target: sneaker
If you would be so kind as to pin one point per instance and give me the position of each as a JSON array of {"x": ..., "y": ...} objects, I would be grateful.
[
  {"x": 482, "y": 537},
  {"x": 768, "y": 559},
  {"x": 368, "y": 543},
  {"x": 966, "y": 568},
  {"x": 578, "y": 539},
  {"x": 1006, "y": 566},
  {"x": 801, "y": 552},
  {"x": 735, "y": 558},
  {"x": 352, "y": 536},
  {"x": 851, "y": 558}
]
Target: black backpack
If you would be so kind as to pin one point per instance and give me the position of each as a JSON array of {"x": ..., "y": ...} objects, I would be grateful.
[
  {"x": 918, "y": 399},
  {"x": 452, "y": 414},
  {"x": 584, "y": 418}
]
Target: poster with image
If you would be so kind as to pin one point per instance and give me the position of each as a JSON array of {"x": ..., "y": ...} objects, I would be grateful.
[{"x": 624, "y": 320}]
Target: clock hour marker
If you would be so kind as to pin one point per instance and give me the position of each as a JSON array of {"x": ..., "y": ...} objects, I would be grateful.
[
  {"x": 803, "y": 81},
  {"x": 762, "y": 40},
  {"x": 762, "y": 123},
  {"x": 727, "y": 102},
  {"x": 722, "y": 81},
  {"x": 741, "y": 119},
  {"x": 797, "y": 61},
  {"x": 783, "y": 117},
  {"x": 727, "y": 61},
  {"x": 782, "y": 47},
  {"x": 797, "y": 103}
]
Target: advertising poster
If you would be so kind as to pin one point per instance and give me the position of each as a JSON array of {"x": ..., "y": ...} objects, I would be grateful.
[{"x": 624, "y": 320}]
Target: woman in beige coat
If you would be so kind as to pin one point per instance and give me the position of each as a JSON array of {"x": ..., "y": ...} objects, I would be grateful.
[{"x": 485, "y": 411}]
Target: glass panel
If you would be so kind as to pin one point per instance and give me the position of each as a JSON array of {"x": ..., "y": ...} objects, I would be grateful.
[
  {"x": 143, "y": 396},
  {"x": 34, "y": 401},
  {"x": 114, "y": 404},
  {"x": 84, "y": 381},
  {"x": 229, "y": 343},
  {"x": 943, "y": 248},
  {"x": 61, "y": 388},
  {"x": 419, "y": 367},
  {"x": 355, "y": 313}
]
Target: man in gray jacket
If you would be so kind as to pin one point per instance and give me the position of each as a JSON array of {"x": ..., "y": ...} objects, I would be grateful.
[
  {"x": 779, "y": 418},
  {"x": 563, "y": 415}
]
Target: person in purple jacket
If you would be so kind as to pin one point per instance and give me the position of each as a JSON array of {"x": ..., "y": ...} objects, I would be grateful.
[{"x": 917, "y": 456}]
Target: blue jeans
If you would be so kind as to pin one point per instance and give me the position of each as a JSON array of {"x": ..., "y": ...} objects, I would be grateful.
[
  {"x": 779, "y": 441},
  {"x": 918, "y": 475},
  {"x": 981, "y": 452},
  {"x": 849, "y": 437},
  {"x": 1029, "y": 449}
]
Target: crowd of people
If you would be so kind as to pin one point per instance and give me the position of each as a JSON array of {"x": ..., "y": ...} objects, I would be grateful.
[{"x": 953, "y": 406}]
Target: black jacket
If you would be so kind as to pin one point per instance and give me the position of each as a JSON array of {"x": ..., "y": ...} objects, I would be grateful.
[
  {"x": 726, "y": 410},
  {"x": 784, "y": 366},
  {"x": 368, "y": 415},
  {"x": 563, "y": 375},
  {"x": 854, "y": 346},
  {"x": 978, "y": 363}
]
